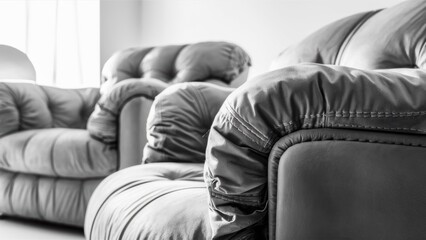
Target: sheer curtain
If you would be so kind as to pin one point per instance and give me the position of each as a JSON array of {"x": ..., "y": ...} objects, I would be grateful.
[{"x": 61, "y": 37}]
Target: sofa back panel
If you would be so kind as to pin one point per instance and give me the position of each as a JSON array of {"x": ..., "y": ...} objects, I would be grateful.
[
  {"x": 323, "y": 45},
  {"x": 29, "y": 106},
  {"x": 391, "y": 38},
  {"x": 177, "y": 63},
  {"x": 160, "y": 62}
]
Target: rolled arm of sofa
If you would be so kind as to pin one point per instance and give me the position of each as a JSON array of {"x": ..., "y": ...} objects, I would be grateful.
[
  {"x": 179, "y": 121},
  {"x": 104, "y": 121},
  {"x": 307, "y": 96}
]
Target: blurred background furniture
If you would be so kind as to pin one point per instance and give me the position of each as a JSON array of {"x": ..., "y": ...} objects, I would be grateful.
[
  {"x": 56, "y": 144},
  {"x": 308, "y": 151}
]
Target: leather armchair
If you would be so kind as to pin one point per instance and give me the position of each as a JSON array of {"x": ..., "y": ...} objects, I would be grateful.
[
  {"x": 57, "y": 145},
  {"x": 306, "y": 151}
]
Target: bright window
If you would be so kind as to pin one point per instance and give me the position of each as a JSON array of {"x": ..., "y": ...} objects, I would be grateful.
[{"x": 61, "y": 38}]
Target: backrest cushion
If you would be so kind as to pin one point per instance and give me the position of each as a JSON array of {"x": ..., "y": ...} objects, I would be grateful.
[
  {"x": 391, "y": 38},
  {"x": 29, "y": 106},
  {"x": 177, "y": 63}
]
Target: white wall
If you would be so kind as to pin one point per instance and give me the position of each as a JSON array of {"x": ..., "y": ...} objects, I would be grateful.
[
  {"x": 119, "y": 26},
  {"x": 262, "y": 27}
]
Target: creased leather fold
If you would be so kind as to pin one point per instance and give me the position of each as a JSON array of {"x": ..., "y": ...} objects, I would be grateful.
[{"x": 275, "y": 104}]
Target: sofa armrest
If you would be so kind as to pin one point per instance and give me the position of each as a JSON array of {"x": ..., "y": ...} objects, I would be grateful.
[
  {"x": 104, "y": 121},
  {"x": 25, "y": 106},
  {"x": 308, "y": 96},
  {"x": 179, "y": 120},
  {"x": 132, "y": 131}
]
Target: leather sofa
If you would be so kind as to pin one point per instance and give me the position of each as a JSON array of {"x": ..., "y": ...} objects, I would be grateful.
[
  {"x": 57, "y": 145},
  {"x": 328, "y": 145}
]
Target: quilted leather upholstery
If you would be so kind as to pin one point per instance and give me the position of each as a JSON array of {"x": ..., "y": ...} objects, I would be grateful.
[
  {"x": 150, "y": 202},
  {"x": 179, "y": 121},
  {"x": 26, "y": 106},
  {"x": 57, "y": 144},
  {"x": 275, "y": 105},
  {"x": 177, "y": 63}
]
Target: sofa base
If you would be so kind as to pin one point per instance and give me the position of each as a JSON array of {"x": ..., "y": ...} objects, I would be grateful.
[{"x": 57, "y": 200}]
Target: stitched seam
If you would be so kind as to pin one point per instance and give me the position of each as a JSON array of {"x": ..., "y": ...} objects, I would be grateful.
[
  {"x": 373, "y": 127},
  {"x": 291, "y": 123},
  {"x": 241, "y": 131},
  {"x": 245, "y": 124}
]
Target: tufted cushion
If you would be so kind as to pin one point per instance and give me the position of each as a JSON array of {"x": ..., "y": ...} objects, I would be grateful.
[
  {"x": 179, "y": 120},
  {"x": 390, "y": 38},
  {"x": 177, "y": 63},
  {"x": 28, "y": 106},
  {"x": 59, "y": 200},
  {"x": 57, "y": 152},
  {"x": 152, "y": 202}
]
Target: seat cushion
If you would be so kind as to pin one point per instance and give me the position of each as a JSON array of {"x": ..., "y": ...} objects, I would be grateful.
[
  {"x": 57, "y": 152},
  {"x": 152, "y": 202}
]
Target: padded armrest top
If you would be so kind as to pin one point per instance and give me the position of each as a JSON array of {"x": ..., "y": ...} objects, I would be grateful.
[
  {"x": 178, "y": 63},
  {"x": 391, "y": 38},
  {"x": 307, "y": 96},
  {"x": 29, "y": 106}
]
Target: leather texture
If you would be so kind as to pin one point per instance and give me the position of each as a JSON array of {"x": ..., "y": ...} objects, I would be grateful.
[
  {"x": 329, "y": 118},
  {"x": 315, "y": 96},
  {"x": 132, "y": 131},
  {"x": 390, "y": 38},
  {"x": 25, "y": 106},
  {"x": 347, "y": 184},
  {"x": 57, "y": 144},
  {"x": 57, "y": 152},
  {"x": 103, "y": 122},
  {"x": 153, "y": 201},
  {"x": 280, "y": 102},
  {"x": 179, "y": 121},
  {"x": 53, "y": 199},
  {"x": 177, "y": 63}
]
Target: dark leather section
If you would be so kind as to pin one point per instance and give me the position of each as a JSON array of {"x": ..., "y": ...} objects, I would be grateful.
[
  {"x": 103, "y": 122},
  {"x": 132, "y": 131},
  {"x": 58, "y": 200},
  {"x": 179, "y": 120},
  {"x": 391, "y": 38},
  {"x": 26, "y": 106},
  {"x": 307, "y": 96},
  {"x": 152, "y": 202},
  {"x": 353, "y": 176},
  {"x": 177, "y": 63}
]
